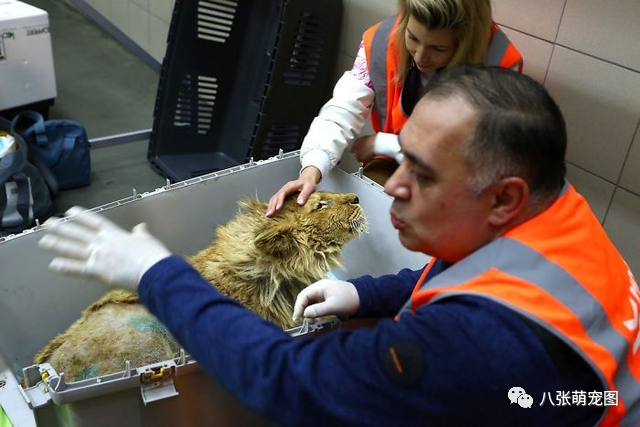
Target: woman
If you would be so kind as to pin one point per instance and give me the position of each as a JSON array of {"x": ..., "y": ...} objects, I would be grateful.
[{"x": 394, "y": 63}]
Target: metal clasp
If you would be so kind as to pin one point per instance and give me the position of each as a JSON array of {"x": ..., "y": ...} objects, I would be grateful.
[{"x": 157, "y": 382}]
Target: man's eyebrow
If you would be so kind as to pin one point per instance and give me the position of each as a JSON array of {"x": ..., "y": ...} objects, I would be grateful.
[{"x": 415, "y": 159}]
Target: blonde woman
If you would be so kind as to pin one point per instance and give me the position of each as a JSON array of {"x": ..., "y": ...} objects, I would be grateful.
[{"x": 394, "y": 63}]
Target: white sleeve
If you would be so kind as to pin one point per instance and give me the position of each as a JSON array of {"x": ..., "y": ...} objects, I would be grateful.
[{"x": 340, "y": 120}]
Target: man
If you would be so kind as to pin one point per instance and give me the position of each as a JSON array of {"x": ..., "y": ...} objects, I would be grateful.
[{"x": 525, "y": 304}]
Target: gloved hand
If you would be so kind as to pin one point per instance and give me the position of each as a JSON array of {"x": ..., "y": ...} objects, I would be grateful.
[
  {"x": 326, "y": 297},
  {"x": 92, "y": 246}
]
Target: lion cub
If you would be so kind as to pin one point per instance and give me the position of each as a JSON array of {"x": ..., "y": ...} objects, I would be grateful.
[
  {"x": 265, "y": 262},
  {"x": 261, "y": 262}
]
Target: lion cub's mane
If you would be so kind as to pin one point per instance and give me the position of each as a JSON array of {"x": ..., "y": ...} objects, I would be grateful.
[{"x": 265, "y": 262}]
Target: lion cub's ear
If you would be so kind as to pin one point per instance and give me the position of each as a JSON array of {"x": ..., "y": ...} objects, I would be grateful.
[{"x": 278, "y": 239}]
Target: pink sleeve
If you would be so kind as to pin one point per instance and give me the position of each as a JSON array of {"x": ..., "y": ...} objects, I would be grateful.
[{"x": 359, "y": 70}]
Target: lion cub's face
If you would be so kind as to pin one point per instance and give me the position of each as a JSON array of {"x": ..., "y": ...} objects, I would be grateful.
[
  {"x": 332, "y": 217},
  {"x": 326, "y": 220}
]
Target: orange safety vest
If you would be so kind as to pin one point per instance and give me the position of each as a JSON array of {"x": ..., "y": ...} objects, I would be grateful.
[
  {"x": 560, "y": 270},
  {"x": 382, "y": 63}
]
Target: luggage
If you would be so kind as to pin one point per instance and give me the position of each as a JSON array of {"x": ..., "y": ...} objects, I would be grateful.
[
  {"x": 25, "y": 189},
  {"x": 61, "y": 144}
]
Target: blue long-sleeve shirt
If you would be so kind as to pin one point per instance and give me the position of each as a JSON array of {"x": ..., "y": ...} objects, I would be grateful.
[{"x": 464, "y": 354}]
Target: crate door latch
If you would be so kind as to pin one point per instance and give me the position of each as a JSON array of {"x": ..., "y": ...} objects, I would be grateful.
[{"x": 157, "y": 382}]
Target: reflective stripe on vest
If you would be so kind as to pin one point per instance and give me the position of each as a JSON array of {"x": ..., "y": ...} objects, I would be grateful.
[
  {"x": 517, "y": 276},
  {"x": 382, "y": 59},
  {"x": 376, "y": 51},
  {"x": 502, "y": 52}
]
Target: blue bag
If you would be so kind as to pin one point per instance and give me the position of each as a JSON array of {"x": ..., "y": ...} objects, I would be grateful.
[{"x": 62, "y": 145}]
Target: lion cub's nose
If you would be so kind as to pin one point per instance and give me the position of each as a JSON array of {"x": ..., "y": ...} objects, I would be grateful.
[{"x": 355, "y": 201}]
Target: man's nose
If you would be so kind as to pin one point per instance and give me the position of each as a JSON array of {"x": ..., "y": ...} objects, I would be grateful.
[{"x": 396, "y": 186}]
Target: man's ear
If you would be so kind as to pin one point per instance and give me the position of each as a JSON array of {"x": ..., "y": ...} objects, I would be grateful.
[
  {"x": 277, "y": 239},
  {"x": 510, "y": 197}
]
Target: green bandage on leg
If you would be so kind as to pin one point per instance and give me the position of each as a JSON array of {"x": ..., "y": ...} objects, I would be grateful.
[{"x": 4, "y": 419}]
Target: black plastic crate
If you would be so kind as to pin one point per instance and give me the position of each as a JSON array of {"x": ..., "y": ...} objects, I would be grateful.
[{"x": 241, "y": 79}]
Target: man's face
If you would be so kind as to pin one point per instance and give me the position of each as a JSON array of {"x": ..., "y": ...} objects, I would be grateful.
[{"x": 434, "y": 210}]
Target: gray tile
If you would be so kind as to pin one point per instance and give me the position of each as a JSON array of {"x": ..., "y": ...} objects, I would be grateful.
[
  {"x": 606, "y": 29},
  {"x": 102, "y": 6},
  {"x": 539, "y": 18},
  {"x": 143, "y": 4},
  {"x": 536, "y": 53},
  {"x": 631, "y": 173},
  {"x": 596, "y": 191},
  {"x": 623, "y": 227},
  {"x": 161, "y": 9},
  {"x": 601, "y": 104},
  {"x": 120, "y": 14},
  {"x": 362, "y": 14},
  {"x": 138, "y": 27},
  {"x": 158, "y": 30}
]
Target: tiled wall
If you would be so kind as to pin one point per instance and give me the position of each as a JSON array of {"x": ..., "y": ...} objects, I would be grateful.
[
  {"x": 146, "y": 22},
  {"x": 586, "y": 52}
]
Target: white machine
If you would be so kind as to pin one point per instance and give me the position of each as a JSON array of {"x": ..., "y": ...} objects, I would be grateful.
[{"x": 27, "y": 73}]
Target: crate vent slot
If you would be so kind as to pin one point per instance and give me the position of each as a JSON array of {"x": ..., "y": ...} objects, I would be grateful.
[
  {"x": 182, "y": 115},
  {"x": 306, "y": 51},
  {"x": 207, "y": 92},
  {"x": 215, "y": 19},
  {"x": 283, "y": 137},
  {"x": 194, "y": 106}
]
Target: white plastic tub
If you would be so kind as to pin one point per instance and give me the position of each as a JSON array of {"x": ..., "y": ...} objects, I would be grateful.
[{"x": 36, "y": 304}]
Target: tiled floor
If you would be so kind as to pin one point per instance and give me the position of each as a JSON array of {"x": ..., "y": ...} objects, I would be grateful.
[
  {"x": 109, "y": 91},
  {"x": 116, "y": 171}
]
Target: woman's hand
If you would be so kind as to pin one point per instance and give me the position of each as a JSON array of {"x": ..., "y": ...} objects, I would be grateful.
[
  {"x": 305, "y": 184},
  {"x": 363, "y": 148}
]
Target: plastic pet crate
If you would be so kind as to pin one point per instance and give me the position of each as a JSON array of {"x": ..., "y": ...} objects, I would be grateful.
[
  {"x": 241, "y": 79},
  {"x": 37, "y": 304}
]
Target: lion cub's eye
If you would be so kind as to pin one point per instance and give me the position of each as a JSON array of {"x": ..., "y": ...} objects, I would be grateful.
[{"x": 323, "y": 204}]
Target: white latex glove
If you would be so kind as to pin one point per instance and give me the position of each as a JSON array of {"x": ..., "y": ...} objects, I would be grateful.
[
  {"x": 387, "y": 144},
  {"x": 326, "y": 297},
  {"x": 92, "y": 246}
]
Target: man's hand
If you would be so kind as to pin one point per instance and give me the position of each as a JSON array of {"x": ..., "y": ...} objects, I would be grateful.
[
  {"x": 305, "y": 184},
  {"x": 326, "y": 297},
  {"x": 363, "y": 148},
  {"x": 92, "y": 246}
]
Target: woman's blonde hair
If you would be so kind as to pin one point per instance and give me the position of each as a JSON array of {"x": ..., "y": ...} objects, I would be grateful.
[{"x": 470, "y": 21}]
